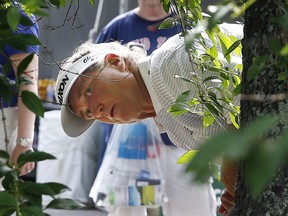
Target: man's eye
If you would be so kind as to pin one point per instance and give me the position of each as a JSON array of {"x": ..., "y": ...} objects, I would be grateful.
[
  {"x": 89, "y": 91},
  {"x": 88, "y": 113}
]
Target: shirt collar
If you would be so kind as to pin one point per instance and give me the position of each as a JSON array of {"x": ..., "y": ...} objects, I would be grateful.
[{"x": 144, "y": 68}]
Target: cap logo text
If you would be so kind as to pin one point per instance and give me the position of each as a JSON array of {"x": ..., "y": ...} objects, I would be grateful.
[
  {"x": 86, "y": 59},
  {"x": 61, "y": 88}
]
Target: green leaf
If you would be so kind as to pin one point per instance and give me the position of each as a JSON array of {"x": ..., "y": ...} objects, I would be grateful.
[
  {"x": 234, "y": 120},
  {"x": 268, "y": 156},
  {"x": 284, "y": 50},
  {"x": 4, "y": 169},
  {"x": 57, "y": 187},
  {"x": 8, "y": 181},
  {"x": 7, "y": 199},
  {"x": 21, "y": 41},
  {"x": 92, "y": 2},
  {"x": 234, "y": 144},
  {"x": 232, "y": 47},
  {"x": 4, "y": 154},
  {"x": 184, "y": 97},
  {"x": 26, "y": 21},
  {"x": 167, "y": 23},
  {"x": 64, "y": 204},
  {"x": 166, "y": 5},
  {"x": 24, "y": 64},
  {"x": 261, "y": 60},
  {"x": 31, "y": 210},
  {"x": 253, "y": 71},
  {"x": 237, "y": 89},
  {"x": 30, "y": 156},
  {"x": 212, "y": 109},
  {"x": 178, "y": 109},
  {"x": 282, "y": 76},
  {"x": 33, "y": 102},
  {"x": 213, "y": 78},
  {"x": 49, "y": 188},
  {"x": 213, "y": 52},
  {"x": 219, "y": 15},
  {"x": 184, "y": 79},
  {"x": 274, "y": 45},
  {"x": 13, "y": 18},
  {"x": 208, "y": 119},
  {"x": 5, "y": 211},
  {"x": 225, "y": 43},
  {"x": 187, "y": 157}
]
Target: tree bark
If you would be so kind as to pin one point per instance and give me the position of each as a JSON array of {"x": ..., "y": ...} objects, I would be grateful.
[{"x": 259, "y": 30}]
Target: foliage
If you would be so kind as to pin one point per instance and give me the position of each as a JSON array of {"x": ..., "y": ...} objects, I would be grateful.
[
  {"x": 217, "y": 91},
  {"x": 24, "y": 197},
  {"x": 249, "y": 144}
]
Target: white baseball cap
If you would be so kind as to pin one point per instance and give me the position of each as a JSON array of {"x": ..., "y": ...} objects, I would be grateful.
[{"x": 72, "y": 124}]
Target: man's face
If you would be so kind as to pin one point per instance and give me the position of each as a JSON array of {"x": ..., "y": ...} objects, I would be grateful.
[{"x": 112, "y": 97}]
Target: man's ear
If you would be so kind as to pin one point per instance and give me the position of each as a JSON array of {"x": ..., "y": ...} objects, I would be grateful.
[{"x": 115, "y": 61}]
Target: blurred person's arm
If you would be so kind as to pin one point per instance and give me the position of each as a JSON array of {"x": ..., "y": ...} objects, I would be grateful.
[
  {"x": 229, "y": 171},
  {"x": 26, "y": 118}
]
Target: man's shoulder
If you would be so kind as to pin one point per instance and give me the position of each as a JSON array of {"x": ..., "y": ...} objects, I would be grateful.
[{"x": 122, "y": 18}]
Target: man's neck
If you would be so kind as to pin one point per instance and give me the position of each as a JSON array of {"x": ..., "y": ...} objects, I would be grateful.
[{"x": 151, "y": 12}]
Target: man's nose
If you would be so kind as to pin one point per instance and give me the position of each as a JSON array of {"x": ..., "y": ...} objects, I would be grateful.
[{"x": 98, "y": 111}]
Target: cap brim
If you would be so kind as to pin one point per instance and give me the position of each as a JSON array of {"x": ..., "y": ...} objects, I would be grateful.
[{"x": 73, "y": 125}]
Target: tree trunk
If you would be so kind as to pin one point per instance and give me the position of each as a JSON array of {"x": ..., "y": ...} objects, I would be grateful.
[{"x": 259, "y": 30}]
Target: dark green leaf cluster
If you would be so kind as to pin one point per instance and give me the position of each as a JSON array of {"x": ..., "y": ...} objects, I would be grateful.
[{"x": 25, "y": 197}]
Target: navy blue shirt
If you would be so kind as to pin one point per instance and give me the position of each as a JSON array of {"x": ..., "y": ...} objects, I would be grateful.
[{"x": 129, "y": 27}]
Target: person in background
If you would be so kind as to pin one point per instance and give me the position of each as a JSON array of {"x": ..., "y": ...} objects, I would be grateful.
[
  {"x": 19, "y": 119},
  {"x": 140, "y": 26}
]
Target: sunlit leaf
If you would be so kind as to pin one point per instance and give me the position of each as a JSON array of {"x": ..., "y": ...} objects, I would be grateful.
[
  {"x": 234, "y": 120},
  {"x": 208, "y": 119},
  {"x": 284, "y": 50},
  {"x": 232, "y": 47},
  {"x": 225, "y": 43},
  {"x": 92, "y": 2},
  {"x": 187, "y": 157}
]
